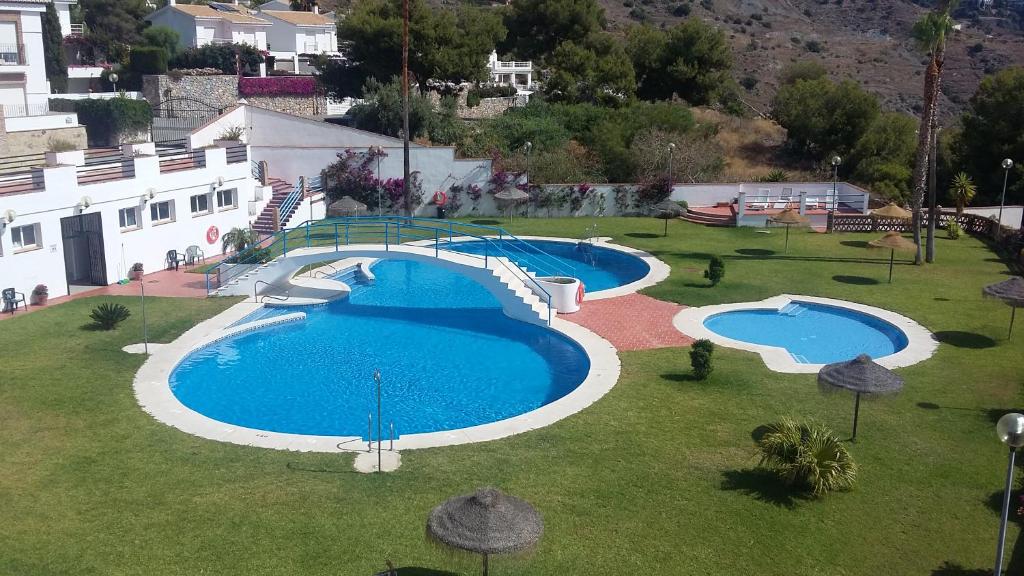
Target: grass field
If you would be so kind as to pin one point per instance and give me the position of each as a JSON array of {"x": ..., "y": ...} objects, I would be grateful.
[{"x": 658, "y": 477}]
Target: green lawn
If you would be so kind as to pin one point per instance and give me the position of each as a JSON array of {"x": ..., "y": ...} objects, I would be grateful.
[{"x": 656, "y": 478}]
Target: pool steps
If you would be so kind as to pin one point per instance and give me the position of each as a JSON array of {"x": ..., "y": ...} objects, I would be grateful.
[{"x": 518, "y": 298}]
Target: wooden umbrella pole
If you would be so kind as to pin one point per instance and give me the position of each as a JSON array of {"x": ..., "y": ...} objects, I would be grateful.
[
  {"x": 892, "y": 256},
  {"x": 1013, "y": 314},
  {"x": 856, "y": 415},
  {"x": 485, "y": 564},
  {"x": 787, "y": 238}
]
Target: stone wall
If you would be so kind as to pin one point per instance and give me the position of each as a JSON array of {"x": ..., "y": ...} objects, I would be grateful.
[
  {"x": 488, "y": 107},
  {"x": 36, "y": 141},
  {"x": 222, "y": 92},
  {"x": 217, "y": 91}
]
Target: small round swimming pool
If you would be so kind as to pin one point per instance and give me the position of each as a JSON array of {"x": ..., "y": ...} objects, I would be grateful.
[
  {"x": 599, "y": 268},
  {"x": 450, "y": 359},
  {"x": 811, "y": 333}
]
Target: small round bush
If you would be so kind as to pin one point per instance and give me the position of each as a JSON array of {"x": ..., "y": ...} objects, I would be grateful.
[
  {"x": 700, "y": 358},
  {"x": 715, "y": 271}
]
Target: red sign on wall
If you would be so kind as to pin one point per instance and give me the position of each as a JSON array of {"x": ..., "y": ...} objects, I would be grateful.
[{"x": 212, "y": 235}]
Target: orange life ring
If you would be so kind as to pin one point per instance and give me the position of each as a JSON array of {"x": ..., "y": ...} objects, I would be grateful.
[
  {"x": 212, "y": 234},
  {"x": 440, "y": 198},
  {"x": 579, "y": 293}
]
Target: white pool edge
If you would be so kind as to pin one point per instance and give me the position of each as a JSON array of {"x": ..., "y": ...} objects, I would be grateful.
[
  {"x": 921, "y": 344},
  {"x": 154, "y": 396}
]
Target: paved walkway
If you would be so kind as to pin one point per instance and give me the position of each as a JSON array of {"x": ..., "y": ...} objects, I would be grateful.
[
  {"x": 178, "y": 284},
  {"x": 632, "y": 322}
]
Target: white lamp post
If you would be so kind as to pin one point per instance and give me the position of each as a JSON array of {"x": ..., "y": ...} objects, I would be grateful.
[
  {"x": 836, "y": 161},
  {"x": 528, "y": 146},
  {"x": 113, "y": 80},
  {"x": 1010, "y": 430},
  {"x": 671, "y": 149},
  {"x": 1007, "y": 165}
]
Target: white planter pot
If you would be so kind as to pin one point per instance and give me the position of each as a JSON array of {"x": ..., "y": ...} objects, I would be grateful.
[
  {"x": 563, "y": 291},
  {"x": 71, "y": 158},
  {"x": 141, "y": 149}
]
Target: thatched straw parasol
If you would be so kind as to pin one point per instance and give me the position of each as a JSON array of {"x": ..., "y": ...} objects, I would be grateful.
[
  {"x": 893, "y": 241},
  {"x": 891, "y": 210},
  {"x": 860, "y": 376},
  {"x": 486, "y": 522},
  {"x": 789, "y": 217},
  {"x": 667, "y": 210},
  {"x": 1011, "y": 292},
  {"x": 346, "y": 206},
  {"x": 512, "y": 196}
]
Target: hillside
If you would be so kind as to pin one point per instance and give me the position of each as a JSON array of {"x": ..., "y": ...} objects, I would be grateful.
[{"x": 866, "y": 40}]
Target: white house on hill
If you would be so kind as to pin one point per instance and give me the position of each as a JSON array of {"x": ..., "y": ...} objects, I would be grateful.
[
  {"x": 216, "y": 23},
  {"x": 295, "y": 36}
]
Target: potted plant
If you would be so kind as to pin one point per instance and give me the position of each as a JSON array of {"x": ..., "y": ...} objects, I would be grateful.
[
  {"x": 138, "y": 145},
  {"x": 135, "y": 272},
  {"x": 62, "y": 152},
  {"x": 230, "y": 137},
  {"x": 39, "y": 295}
]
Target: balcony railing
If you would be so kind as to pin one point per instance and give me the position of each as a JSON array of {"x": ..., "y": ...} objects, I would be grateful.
[
  {"x": 512, "y": 65},
  {"x": 22, "y": 110},
  {"x": 11, "y": 54}
]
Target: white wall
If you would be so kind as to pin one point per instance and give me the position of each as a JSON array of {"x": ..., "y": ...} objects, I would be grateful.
[
  {"x": 148, "y": 244},
  {"x": 205, "y": 135}
]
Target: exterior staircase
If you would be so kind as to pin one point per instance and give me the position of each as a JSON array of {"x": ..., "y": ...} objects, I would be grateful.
[
  {"x": 711, "y": 216},
  {"x": 264, "y": 224}
]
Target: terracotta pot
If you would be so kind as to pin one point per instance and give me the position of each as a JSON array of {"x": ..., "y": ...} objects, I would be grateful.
[
  {"x": 38, "y": 299},
  {"x": 135, "y": 274}
]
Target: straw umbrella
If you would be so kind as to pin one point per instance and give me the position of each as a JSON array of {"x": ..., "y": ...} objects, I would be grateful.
[
  {"x": 512, "y": 196},
  {"x": 486, "y": 522},
  {"x": 789, "y": 217},
  {"x": 346, "y": 206},
  {"x": 667, "y": 210},
  {"x": 1011, "y": 292},
  {"x": 891, "y": 210},
  {"x": 893, "y": 241},
  {"x": 860, "y": 376}
]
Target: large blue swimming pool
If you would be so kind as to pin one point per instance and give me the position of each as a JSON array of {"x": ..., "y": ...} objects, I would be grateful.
[
  {"x": 812, "y": 333},
  {"x": 597, "y": 267},
  {"x": 449, "y": 357}
]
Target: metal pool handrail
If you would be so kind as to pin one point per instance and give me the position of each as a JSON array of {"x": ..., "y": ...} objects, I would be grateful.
[{"x": 353, "y": 231}]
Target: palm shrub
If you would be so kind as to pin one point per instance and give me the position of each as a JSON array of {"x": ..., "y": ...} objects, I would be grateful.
[
  {"x": 808, "y": 457},
  {"x": 238, "y": 239},
  {"x": 107, "y": 316},
  {"x": 715, "y": 271},
  {"x": 700, "y": 358},
  {"x": 953, "y": 230},
  {"x": 962, "y": 191}
]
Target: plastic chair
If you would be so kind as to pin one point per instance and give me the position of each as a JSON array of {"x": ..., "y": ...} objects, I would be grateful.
[
  {"x": 193, "y": 254},
  {"x": 12, "y": 299},
  {"x": 174, "y": 259}
]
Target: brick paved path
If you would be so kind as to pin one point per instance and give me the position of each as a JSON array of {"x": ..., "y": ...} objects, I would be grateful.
[{"x": 632, "y": 322}]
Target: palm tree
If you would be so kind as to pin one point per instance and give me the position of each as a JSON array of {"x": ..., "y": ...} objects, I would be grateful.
[
  {"x": 807, "y": 456},
  {"x": 930, "y": 33},
  {"x": 238, "y": 239},
  {"x": 962, "y": 191}
]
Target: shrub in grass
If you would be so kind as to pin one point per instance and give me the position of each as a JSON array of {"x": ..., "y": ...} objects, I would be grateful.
[
  {"x": 808, "y": 457},
  {"x": 953, "y": 230},
  {"x": 715, "y": 271},
  {"x": 700, "y": 358},
  {"x": 107, "y": 316}
]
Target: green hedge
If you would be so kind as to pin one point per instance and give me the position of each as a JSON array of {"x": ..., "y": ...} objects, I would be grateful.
[
  {"x": 148, "y": 60},
  {"x": 219, "y": 56},
  {"x": 106, "y": 120}
]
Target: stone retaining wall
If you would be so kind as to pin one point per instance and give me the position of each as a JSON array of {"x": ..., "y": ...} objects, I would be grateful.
[{"x": 221, "y": 92}]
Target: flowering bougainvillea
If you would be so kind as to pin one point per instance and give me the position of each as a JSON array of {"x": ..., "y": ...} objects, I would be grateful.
[
  {"x": 277, "y": 86},
  {"x": 577, "y": 195}
]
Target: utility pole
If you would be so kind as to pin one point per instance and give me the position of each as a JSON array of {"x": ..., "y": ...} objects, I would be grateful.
[{"x": 405, "y": 105}]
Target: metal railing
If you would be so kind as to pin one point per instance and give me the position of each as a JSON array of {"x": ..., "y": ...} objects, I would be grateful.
[
  {"x": 27, "y": 110},
  {"x": 182, "y": 161},
  {"x": 106, "y": 172},
  {"x": 11, "y": 54},
  {"x": 290, "y": 203},
  {"x": 506, "y": 249},
  {"x": 236, "y": 154},
  {"x": 257, "y": 170}
]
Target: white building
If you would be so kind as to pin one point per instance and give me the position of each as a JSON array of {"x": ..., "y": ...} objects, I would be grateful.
[
  {"x": 72, "y": 223},
  {"x": 510, "y": 73},
  {"x": 24, "y": 90},
  {"x": 295, "y": 36},
  {"x": 216, "y": 23}
]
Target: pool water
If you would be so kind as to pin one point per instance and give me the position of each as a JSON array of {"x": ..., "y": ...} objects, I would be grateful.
[
  {"x": 448, "y": 355},
  {"x": 597, "y": 267},
  {"x": 812, "y": 333}
]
